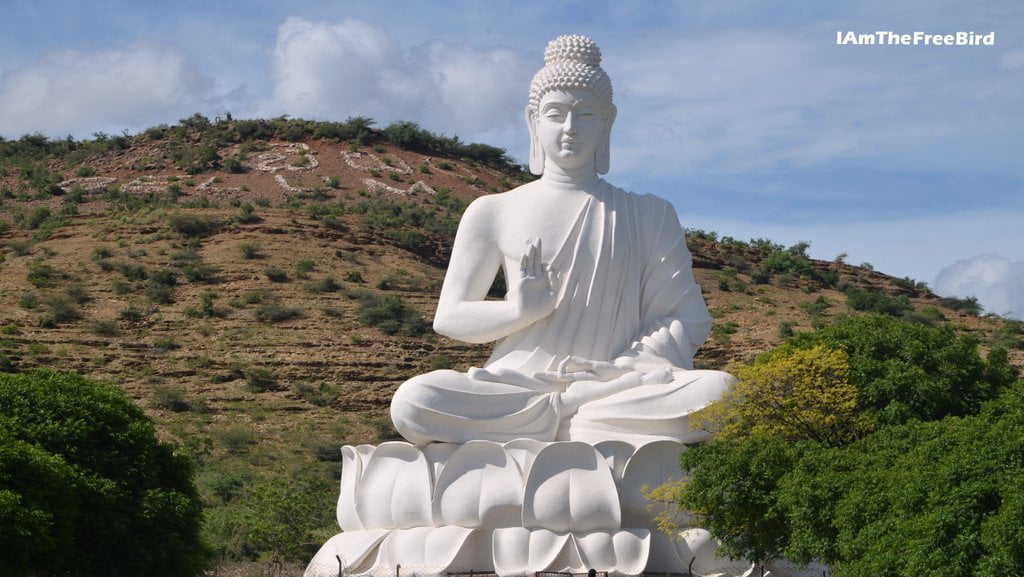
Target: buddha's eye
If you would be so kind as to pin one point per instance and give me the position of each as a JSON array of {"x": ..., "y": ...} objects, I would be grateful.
[
  {"x": 555, "y": 113},
  {"x": 585, "y": 113}
]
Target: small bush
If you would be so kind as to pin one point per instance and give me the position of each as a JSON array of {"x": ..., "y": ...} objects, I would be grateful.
[
  {"x": 236, "y": 439},
  {"x": 206, "y": 308},
  {"x": 170, "y": 397},
  {"x": 320, "y": 395},
  {"x": 275, "y": 313},
  {"x": 43, "y": 275},
  {"x": 60, "y": 309},
  {"x": 105, "y": 328},
  {"x": 721, "y": 332},
  {"x": 969, "y": 305},
  {"x": 326, "y": 284},
  {"x": 786, "y": 329},
  {"x": 233, "y": 164},
  {"x": 160, "y": 288},
  {"x": 304, "y": 267},
  {"x": 101, "y": 253},
  {"x": 248, "y": 215},
  {"x": 131, "y": 314},
  {"x": 194, "y": 226},
  {"x": 260, "y": 379},
  {"x": 20, "y": 247},
  {"x": 77, "y": 293},
  {"x": 132, "y": 272},
  {"x": 198, "y": 272},
  {"x": 250, "y": 250},
  {"x": 28, "y": 301},
  {"x": 354, "y": 276},
  {"x": 440, "y": 362},
  {"x": 276, "y": 274},
  {"x": 877, "y": 301},
  {"x": 164, "y": 344},
  {"x": 164, "y": 277},
  {"x": 389, "y": 313}
]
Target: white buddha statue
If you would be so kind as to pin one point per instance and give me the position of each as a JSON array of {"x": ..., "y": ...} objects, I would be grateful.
[
  {"x": 596, "y": 335},
  {"x": 536, "y": 462}
]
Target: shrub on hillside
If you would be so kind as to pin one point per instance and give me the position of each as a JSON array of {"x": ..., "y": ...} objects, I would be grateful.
[
  {"x": 876, "y": 301},
  {"x": 191, "y": 225},
  {"x": 276, "y": 274},
  {"x": 968, "y": 305},
  {"x": 389, "y": 313},
  {"x": 275, "y": 313}
]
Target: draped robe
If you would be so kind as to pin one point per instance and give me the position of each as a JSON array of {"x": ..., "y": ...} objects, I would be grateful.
[{"x": 627, "y": 289}]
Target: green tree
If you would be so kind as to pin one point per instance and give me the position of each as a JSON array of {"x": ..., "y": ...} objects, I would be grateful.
[
  {"x": 733, "y": 491},
  {"x": 927, "y": 483},
  {"x": 905, "y": 371},
  {"x": 85, "y": 486},
  {"x": 284, "y": 517},
  {"x": 942, "y": 497}
]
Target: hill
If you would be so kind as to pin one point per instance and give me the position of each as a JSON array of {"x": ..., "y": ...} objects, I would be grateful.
[{"x": 261, "y": 287}]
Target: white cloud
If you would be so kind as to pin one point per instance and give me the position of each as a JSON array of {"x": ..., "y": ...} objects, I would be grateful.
[
  {"x": 330, "y": 70},
  {"x": 78, "y": 93},
  {"x": 996, "y": 281}
]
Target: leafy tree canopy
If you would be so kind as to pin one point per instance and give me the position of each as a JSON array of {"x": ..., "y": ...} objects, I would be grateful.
[
  {"x": 916, "y": 472},
  {"x": 85, "y": 486}
]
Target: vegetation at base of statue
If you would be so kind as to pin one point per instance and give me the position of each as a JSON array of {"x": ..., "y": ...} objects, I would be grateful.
[
  {"x": 868, "y": 437},
  {"x": 85, "y": 486}
]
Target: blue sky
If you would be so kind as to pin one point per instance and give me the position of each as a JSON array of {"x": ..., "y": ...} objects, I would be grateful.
[{"x": 746, "y": 115}]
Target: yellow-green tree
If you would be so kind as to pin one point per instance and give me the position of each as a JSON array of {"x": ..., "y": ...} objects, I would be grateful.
[{"x": 792, "y": 394}]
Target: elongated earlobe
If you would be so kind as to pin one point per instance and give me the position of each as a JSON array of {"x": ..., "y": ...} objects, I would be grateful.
[
  {"x": 603, "y": 154},
  {"x": 536, "y": 150}
]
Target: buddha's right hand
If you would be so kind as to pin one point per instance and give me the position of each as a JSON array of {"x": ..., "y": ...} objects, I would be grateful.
[{"x": 535, "y": 295}]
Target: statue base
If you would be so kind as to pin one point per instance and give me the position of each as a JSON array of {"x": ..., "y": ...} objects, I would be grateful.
[{"x": 512, "y": 508}]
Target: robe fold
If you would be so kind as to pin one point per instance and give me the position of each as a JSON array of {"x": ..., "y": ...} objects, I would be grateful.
[{"x": 627, "y": 289}]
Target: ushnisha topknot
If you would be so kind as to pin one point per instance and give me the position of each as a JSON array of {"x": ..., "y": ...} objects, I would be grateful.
[{"x": 571, "y": 61}]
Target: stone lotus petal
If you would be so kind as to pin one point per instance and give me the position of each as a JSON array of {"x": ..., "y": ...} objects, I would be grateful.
[
  {"x": 437, "y": 455},
  {"x": 353, "y": 459},
  {"x": 427, "y": 550},
  {"x": 524, "y": 451},
  {"x": 622, "y": 552},
  {"x": 481, "y": 486},
  {"x": 617, "y": 454},
  {"x": 357, "y": 550},
  {"x": 520, "y": 551},
  {"x": 652, "y": 465},
  {"x": 395, "y": 488},
  {"x": 570, "y": 488}
]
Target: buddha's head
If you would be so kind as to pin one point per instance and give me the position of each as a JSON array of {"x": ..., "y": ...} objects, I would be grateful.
[{"x": 572, "y": 93}]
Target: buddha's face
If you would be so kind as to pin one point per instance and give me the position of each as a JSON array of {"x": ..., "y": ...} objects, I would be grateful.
[{"x": 569, "y": 127}]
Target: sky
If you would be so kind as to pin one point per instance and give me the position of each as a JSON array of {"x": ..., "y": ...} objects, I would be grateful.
[{"x": 749, "y": 116}]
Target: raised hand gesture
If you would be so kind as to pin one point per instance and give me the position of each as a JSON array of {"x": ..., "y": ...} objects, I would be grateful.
[{"x": 537, "y": 290}]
